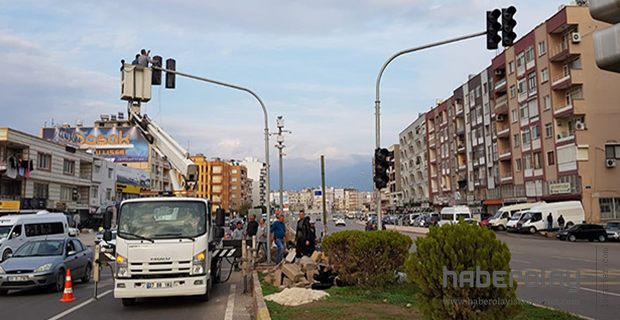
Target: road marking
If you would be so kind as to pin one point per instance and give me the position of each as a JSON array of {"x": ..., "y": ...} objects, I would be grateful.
[
  {"x": 601, "y": 291},
  {"x": 520, "y": 261},
  {"x": 81, "y": 305},
  {"x": 230, "y": 306},
  {"x": 574, "y": 259}
]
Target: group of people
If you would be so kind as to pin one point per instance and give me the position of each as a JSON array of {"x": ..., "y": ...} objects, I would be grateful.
[
  {"x": 550, "y": 222},
  {"x": 142, "y": 58},
  {"x": 305, "y": 236}
]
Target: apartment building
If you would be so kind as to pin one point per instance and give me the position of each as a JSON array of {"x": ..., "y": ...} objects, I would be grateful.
[
  {"x": 240, "y": 187},
  {"x": 214, "y": 181},
  {"x": 257, "y": 172},
  {"x": 538, "y": 124},
  {"x": 414, "y": 162},
  {"x": 394, "y": 182},
  {"x": 39, "y": 174},
  {"x": 352, "y": 201}
]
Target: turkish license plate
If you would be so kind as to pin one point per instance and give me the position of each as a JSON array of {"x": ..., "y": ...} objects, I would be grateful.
[
  {"x": 158, "y": 285},
  {"x": 18, "y": 278}
]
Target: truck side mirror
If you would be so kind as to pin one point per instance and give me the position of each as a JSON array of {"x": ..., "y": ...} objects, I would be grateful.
[
  {"x": 107, "y": 219},
  {"x": 220, "y": 217},
  {"x": 219, "y": 232},
  {"x": 107, "y": 235}
]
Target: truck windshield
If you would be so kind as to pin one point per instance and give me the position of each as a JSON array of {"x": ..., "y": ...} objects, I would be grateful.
[
  {"x": 4, "y": 231},
  {"x": 162, "y": 219}
]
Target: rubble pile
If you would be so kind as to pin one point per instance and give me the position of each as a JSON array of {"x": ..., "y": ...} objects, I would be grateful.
[
  {"x": 306, "y": 272},
  {"x": 296, "y": 296}
]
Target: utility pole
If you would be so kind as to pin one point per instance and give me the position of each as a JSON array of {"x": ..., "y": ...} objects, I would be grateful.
[
  {"x": 280, "y": 145},
  {"x": 323, "y": 194}
]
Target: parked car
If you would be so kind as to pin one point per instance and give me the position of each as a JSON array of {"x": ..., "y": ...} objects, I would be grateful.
[
  {"x": 511, "y": 225},
  {"x": 500, "y": 219},
  {"x": 410, "y": 218},
  {"x": 15, "y": 230},
  {"x": 451, "y": 215},
  {"x": 536, "y": 218},
  {"x": 613, "y": 230},
  {"x": 584, "y": 231},
  {"x": 426, "y": 220},
  {"x": 43, "y": 263},
  {"x": 340, "y": 222}
]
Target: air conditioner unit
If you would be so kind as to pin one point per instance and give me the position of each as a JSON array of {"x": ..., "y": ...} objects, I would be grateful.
[
  {"x": 610, "y": 163},
  {"x": 575, "y": 37},
  {"x": 580, "y": 125},
  {"x": 499, "y": 72},
  {"x": 500, "y": 118}
]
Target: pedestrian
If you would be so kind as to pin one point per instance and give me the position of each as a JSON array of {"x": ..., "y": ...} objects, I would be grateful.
[
  {"x": 144, "y": 59},
  {"x": 261, "y": 237},
  {"x": 238, "y": 233},
  {"x": 135, "y": 61},
  {"x": 549, "y": 221},
  {"x": 311, "y": 244},
  {"x": 76, "y": 220},
  {"x": 301, "y": 234},
  {"x": 252, "y": 227},
  {"x": 278, "y": 230},
  {"x": 561, "y": 222}
]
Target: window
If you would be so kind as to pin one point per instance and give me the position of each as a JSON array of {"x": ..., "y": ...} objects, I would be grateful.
[
  {"x": 544, "y": 75},
  {"x": 234, "y": 171},
  {"x": 513, "y": 91},
  {"x": 525, "y": 114},
  {"x": 77, "y": 244},
  {"x": 216, "y": 179},
  {"x": 529, "y": 54},
  {"x": 550, "y": 158},
  {"x": 484, "y": 88},
  {"x": 542, "y": 48},
  {"x": 531, "y": 81},
  {"x": 94, "y": 191},
  {"x": 546, "y": 103},
  {"x": 527, "y": 162},
  {"x": 66, "y": 193},
  {"x": 533, "y": 106},
  {"x": 537, "y": 162},
  {"x": 548, "y": 131},
  {"x": 526, "y": 137},
  {"x": 97, "y": 168},
  {"x": 610, "y": 208},
  {"x": 44, "y": 161},
  {"x": 516, "y": 139},
  {"x": 521, "y": 87},
  {"x": 41, "y": 229},
  {"x": 612, "y": 151},
  {"x": 520, "y": 60},
  {"x": 535, "y": 132},
  {"x": 217, "y": 169},
  {"x": 68, "y": 167},
  {"x": 41, "y": 191},
  {"x": 511, "y": 66},
  {"x": 515, "y": 115},
  {"x": 518, "y": 165},
  {"x": 108, "y": 194},
  {"x": 110, "y": 173}
]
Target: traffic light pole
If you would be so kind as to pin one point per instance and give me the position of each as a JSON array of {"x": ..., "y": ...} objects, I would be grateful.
[
  {"x": 266, "y": 119},
  {"x": 378, "y": 101}
]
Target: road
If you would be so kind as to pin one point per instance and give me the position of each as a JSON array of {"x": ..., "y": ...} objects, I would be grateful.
[
  {"x": 596, "y": 294},
  {"x": 226, "y": 298}
]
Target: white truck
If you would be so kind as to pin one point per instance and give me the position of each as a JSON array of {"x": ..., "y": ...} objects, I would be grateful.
[{"x": 165, "y": 246}]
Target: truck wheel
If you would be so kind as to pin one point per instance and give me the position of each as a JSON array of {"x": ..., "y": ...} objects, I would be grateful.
[
  {"x": 602, "y": 238},
  {"x": 128, "y": 302},
  {"x": 532, "y": 230},
  {"x": 572, "y": 238},
  {"x": 205, "y": 297},
  {"x": 501, "y": 227}
]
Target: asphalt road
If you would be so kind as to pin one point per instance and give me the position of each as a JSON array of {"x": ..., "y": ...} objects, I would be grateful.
[
  {"x": 226, "y": 298},
  {"x": 595, "y": 295}
]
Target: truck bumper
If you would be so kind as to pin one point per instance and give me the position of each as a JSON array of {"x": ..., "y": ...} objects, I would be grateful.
[{"x": 161, "y": 287}]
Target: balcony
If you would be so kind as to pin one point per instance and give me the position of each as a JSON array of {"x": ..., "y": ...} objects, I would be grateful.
[
  {"x": 506, "y": 179},
  {"x": 564, "y": 137},
  {"x": 566, "y": 79},
  {"x": 501, "y": 84},
  {"x": 459, "y": 110},
  {"x": 505, "y": 156},
  {"x": 521, "y": 97},
  {"x": 460, "y": 130},
  {"x": 503, "y": 131},
  {"x": 576, "y": 106},
  {"x": 460, "y": 149},
  {"x": 501, "y": 105},
  {"x": 563, "y": 51}
]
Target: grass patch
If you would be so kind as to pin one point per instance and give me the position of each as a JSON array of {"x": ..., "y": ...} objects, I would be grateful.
[{"x": 377, "y": 304}]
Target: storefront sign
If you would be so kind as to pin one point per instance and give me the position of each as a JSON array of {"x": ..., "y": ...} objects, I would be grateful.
[
  {"x": 558, "y": 188},
  {"x": 9, "y": 204}
]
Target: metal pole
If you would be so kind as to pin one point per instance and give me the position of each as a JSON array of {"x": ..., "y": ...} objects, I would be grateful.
[
  {"x": 232, "y": 86},
  {"x": 378, "y": 100},
  {"x": 323, "y": 194},
  {"x": 281, "y": 183}
]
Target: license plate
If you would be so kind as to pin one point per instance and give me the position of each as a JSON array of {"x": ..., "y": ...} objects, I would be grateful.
[
  {"x": 158, "y": 285},
  {"x": 18, "y": 278}
]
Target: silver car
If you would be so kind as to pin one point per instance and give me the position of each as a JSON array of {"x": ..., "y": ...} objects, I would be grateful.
[{"x": 43, "y": 263}]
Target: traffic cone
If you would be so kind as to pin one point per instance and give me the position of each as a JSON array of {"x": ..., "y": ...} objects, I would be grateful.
[{"x": 67, "y": 295}]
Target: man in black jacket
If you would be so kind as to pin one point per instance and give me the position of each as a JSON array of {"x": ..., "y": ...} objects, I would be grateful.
[
  {"x": 302, "y": 235},
  {"x": 252, "y": 227}
]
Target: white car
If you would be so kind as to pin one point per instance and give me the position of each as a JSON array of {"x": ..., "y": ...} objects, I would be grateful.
[{"x": 340, "y": 222}]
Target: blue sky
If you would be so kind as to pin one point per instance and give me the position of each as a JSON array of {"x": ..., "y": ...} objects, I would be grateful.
[{"x": 314, "y": 62}]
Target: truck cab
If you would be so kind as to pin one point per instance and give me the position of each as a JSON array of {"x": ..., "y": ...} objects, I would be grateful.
[{"x": 164, "y": 247}]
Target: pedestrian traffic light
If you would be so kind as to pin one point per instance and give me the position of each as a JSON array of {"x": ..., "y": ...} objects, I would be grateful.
[
  {"x": 171, "y": 64},
  {"x": 381, "y": 168},
  {"x": 508, "y": 26},
  {"x": 493, "y": 29},
  {"x": 156, "y": 74}
]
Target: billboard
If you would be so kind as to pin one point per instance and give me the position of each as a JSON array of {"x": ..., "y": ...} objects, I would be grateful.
[{"x": 116, "y": 144}]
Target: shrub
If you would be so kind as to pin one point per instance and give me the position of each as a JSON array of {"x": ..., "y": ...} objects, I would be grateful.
[
  {"x": 367, "y": 259},
  {"x": 461, "y": 247}
]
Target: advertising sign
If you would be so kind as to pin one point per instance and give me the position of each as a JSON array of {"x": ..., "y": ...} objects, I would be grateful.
[
  {"x": 116, "y": 144},
  {"x": 133, "y": 177}
]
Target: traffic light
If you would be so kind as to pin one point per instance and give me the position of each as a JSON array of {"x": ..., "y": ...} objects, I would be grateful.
[
  {"x": 493, "y": 28},
  {"x": 381, "y": 168},
  {"x": 156, "y": 75},
  {"x": 508, "y": 26},
  {"x": 171, "y": 64},
  {"x": 607, "y": 40}
]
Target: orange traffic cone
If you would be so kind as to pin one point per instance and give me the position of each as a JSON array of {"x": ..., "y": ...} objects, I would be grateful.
[{"x": 67, "y": 295}]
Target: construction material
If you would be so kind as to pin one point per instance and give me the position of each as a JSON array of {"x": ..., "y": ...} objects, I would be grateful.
[
  {"x": 296, "y": 296},
  {"x": 301, "y": 273}
]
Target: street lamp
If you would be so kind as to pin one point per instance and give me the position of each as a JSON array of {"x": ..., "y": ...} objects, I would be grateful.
[{"x": 280, "y": 145}]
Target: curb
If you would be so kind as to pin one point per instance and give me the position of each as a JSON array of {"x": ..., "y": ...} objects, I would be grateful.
[
  {"x": 556, "y": 309},
  {"x": 258, "y": 302}
]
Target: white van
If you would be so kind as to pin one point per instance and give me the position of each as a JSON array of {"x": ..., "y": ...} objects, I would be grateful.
[
  {"x": 16, "y": 230},
  {"x": 500, "y": 219},
  {"x": 451, "y": 215},
  {"x": 535, "y": 219}
]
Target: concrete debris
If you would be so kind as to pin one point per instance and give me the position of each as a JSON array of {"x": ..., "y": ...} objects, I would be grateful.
[
  {"x": 301, "y": 273},
  {"x": 296, "y": 296}
]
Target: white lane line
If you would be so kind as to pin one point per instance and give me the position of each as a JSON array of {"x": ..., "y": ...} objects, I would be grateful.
[
  {"x": 601, "y": 291},
  {"x": 81, "y": 305},
  {"x": 520, "y": 261},
  {"x": 230, "y": 306},
  {"x": 573, "y": 259}
]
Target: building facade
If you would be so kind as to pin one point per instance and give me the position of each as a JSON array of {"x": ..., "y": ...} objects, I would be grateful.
[
  {"x": 394, "y": 182},
  {"x": 257, "y": 172},
  {"x": 414, "y": 162}
]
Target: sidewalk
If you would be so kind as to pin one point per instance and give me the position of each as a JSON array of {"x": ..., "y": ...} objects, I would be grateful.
[{"x": 406, "y": 229}]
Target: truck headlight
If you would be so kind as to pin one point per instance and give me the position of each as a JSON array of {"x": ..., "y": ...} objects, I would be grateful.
[
  {"x": 43, "y": 268},
  {"x": 199, "y": 262},
  {"x": 122, "y": 270}
]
